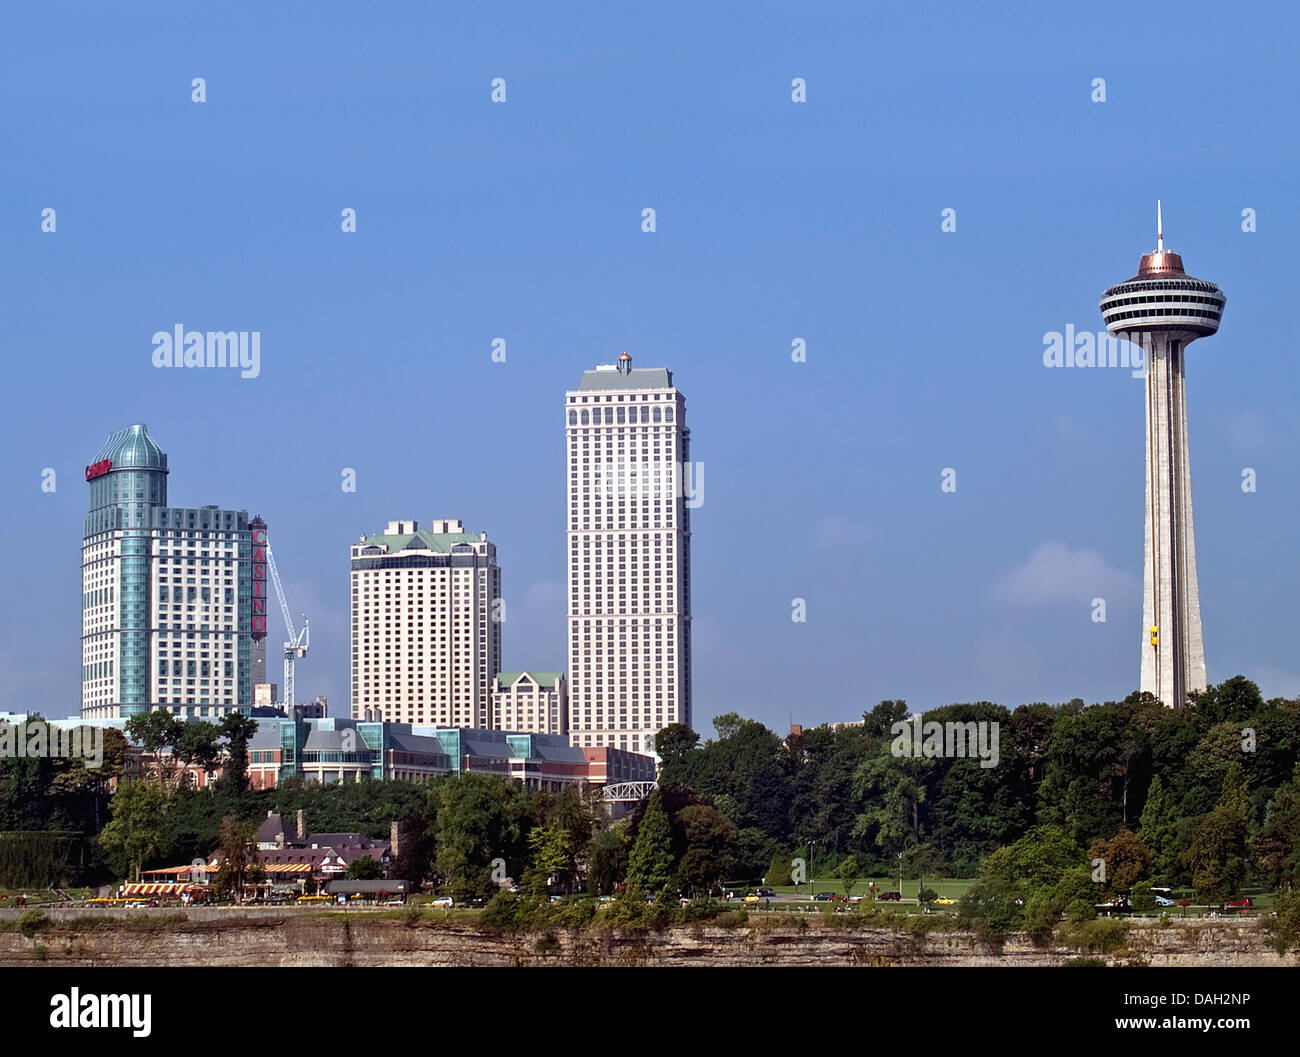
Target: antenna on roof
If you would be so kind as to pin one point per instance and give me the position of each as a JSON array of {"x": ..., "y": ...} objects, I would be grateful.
[{"x": 1160, "y": 229}]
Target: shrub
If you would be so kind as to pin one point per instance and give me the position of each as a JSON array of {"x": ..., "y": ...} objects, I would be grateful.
[{"x": 32, "y": 921}]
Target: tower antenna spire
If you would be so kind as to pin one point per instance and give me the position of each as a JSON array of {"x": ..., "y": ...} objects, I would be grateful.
[{"x": 1160, "y": 229}]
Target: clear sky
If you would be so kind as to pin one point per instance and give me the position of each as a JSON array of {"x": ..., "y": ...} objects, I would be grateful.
[{"x": 776, "y": 220}]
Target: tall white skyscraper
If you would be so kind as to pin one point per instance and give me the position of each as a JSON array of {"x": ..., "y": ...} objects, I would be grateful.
[
  {"x": 1165, "y": 310},
  {"x": 426, "y": 625},
  {"x": 630, "y": 493}
]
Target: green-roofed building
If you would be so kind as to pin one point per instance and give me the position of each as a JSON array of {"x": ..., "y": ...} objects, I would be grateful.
[
  {"x": 426, "y": 624},
  {"x": 537, "y": 702}
]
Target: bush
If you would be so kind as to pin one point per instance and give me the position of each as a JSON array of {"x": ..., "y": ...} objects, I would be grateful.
[
  {"x": 928, "y": 895},
  {"x": 32, "y": 921},
  {"x": 1102, "y": 936},
  {"x": 1085, "y": 963}
]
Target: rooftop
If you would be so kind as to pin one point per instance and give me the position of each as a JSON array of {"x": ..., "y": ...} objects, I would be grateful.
[
  {"x": 610, "y": 378},
  {"x": 132, "y": 448}
]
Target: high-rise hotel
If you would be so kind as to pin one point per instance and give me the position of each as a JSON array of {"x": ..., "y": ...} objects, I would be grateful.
[
  {"x": 426, "y": 625},
  {"x": 167, "y": 607},
  {"x": 629, "y": 557}
]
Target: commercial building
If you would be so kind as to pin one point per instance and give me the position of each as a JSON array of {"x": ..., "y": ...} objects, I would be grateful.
[
  {"x": 334, "y": 750},
  {"x": 628, "y": 537},
  {"x": 1165, "y": 309},
  {"x": 167, "y": 593},
  {"x": 530, "y": 701},
  {"x": 426, "y": 625}
]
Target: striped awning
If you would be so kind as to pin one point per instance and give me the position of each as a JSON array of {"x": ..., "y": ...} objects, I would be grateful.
[
  {"x": 287, "y": 867},
  {"x": 161, "y": 889}
]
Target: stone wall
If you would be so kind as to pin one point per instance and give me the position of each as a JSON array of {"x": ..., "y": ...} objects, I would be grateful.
[{"x": 277, "y": 938}]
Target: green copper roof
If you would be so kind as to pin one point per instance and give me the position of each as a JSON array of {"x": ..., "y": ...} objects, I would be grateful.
[
  {"x": 437, "y": 543},
  {"x": 636, "y": 378},
  {"x": 133, "y": 448},
  {"x": 546, "y": 680}
]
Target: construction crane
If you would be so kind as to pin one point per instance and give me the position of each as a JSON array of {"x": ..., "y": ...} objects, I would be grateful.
[{"x": 299, "y": 641}]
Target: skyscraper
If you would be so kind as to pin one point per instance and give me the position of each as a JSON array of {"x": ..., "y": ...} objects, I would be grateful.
[
  {"x": 426, "y": 625},
  {"x": 1166, "y": 310},
  {"x": 166, "y": 610},
  {"x": 628, "y": 540}
]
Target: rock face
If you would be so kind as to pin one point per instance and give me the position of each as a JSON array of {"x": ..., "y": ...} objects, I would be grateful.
[{"x": 239, "y": 938}]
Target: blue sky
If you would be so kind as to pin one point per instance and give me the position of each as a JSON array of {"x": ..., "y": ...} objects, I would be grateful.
[{"x": 776, "y": 220}]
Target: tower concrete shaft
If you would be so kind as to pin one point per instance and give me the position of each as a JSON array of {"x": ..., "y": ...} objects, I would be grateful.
[
  {"x": 1163, "y": 309},
  {"x": 1173, "y": 656}
]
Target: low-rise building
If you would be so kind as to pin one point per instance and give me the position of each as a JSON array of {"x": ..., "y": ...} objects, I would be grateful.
[{"x": 537, "y": 702}]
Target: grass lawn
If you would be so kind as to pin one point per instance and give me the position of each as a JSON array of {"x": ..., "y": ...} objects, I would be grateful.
[{"x": 952, "y": 888}]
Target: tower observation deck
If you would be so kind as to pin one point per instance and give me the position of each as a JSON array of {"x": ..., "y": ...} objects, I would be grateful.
[{"x": 1165, "y": 309}]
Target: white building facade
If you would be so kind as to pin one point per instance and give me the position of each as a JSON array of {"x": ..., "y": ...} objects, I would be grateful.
[
  {"x": 426, "y": 625},
  {"x": 628, "y": 539},
  {"x": 530, "y": 702}
]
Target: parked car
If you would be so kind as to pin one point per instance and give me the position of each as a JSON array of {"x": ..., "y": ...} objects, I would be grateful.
[
  {"x": 855, "y": 899},
  {"x": 752, "y": 898},
  {"x": 824, "y": 897},
  {"x": 1164, "y": 901},
  {"x": 444, "y": 901},
  {"x": 890, "y": 896},
  {"x": 1243, "y": 903},
  {"x": 765, "y": 893},
  {"x": 945, "y": 901}
]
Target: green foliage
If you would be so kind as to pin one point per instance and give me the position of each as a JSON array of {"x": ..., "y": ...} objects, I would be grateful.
[
  {"x": 710, "y": 849},
  {"x": 1284, "y": 929},
  {"x": 1102, "y": 936},
  {"x": 1127, "y": 859},
  {"x": 778, "y": 873},
  {"x": 35, "y": 858},
  {"x": 364, "y": 869},
  {"x": 134, "y": 834},
  {"x": 32, "y": 921},
  {"x": 849, "y": 871},
  {"x": 481, "y": 818},
  {"x": 650, "y": 866},
  {"x": 607, "y": 859}
]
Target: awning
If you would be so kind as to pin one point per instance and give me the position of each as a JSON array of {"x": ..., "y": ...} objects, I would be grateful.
[{"x": 165, "y": 889}]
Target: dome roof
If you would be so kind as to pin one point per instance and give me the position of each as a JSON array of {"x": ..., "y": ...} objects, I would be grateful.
[{"x": 133, "y": 448}]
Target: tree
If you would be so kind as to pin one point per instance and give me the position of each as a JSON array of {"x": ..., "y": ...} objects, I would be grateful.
[
  {"x": 848, "y": 873},
  {"x": 778, "y": 874},
  {"x": 364, "y": 869},
  {"x": 134, "y": 833},
  {"x": 238, "y": 863},
  {"x": 157, "y": 732},
  {"x": 650, "y": 865},
  {"x": 1127, "y": 859},
  {"x": 237, "y": 730},
  {"x": 1157, "y": 829},
  {"x": 1217, "y": 856},
  {"x": 607, "y": 861},
  {"x": 674, "y": 742},
  {"x": 550, "y": 849},
  {"x": 481, "y": 817},
  {"x": 710, "y": 847}
]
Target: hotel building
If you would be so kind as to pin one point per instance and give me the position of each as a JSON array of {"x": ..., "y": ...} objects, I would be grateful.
[
  {"x": 628, "y": 537},
  {"x": 530, "y": 701},
  {"x": 166, "y": 605},
  {"x": 426, "y": 625}
]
